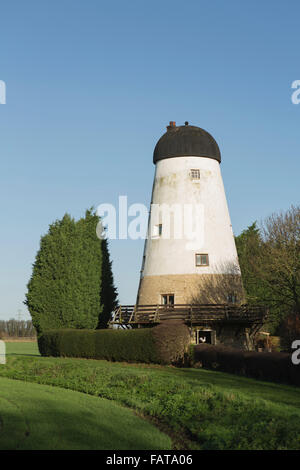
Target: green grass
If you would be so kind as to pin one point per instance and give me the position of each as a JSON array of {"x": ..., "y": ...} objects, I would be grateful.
[
  {"x": 48, "y": 418},
  {"x": 201, "y": 409},
  {"x": 22, "y": 348}
]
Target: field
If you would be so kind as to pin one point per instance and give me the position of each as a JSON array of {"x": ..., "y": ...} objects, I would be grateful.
[{"x": 198, "y": 409}]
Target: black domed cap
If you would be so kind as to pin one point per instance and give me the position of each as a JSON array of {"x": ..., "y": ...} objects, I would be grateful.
[{"x": 186, "y": 140}]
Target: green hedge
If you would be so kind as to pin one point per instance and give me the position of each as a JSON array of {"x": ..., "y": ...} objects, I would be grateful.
[
  {"x": 164, "y": 344},
  {"x": 274, "y": 366}
]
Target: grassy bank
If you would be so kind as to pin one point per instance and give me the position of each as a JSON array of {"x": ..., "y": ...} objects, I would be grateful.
[
  {"x": 48, "y": 418},
  {"x": 201, "y": 409}
]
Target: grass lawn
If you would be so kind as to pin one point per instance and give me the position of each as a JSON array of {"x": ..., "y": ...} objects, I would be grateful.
[
  {"x": 47, "y": 418},
  {"x": 201, "y": 409},
  {"x": 22, "y": 348}
]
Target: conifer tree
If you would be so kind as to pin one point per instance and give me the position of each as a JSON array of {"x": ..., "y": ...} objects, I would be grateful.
[
  {"x": 65, "y": 289},
  {"x": 249, "y": 246},
  {"x": 108, "y": 290}
]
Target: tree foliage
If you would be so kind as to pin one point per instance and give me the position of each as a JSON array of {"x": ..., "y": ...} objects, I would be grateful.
[
  {"x": 16, "y": 328},
  {"x": 269, "y": 258},
  {"x": 249, "y": 247},
  {"x": 108, "y": 293},
  {"x": 289, "y": 331},
  {"x": 281, "y": 257},
  {"x": 66, "y": 286}
]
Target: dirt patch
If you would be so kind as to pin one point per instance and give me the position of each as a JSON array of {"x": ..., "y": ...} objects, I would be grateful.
[{"x": 180, "y": 439}]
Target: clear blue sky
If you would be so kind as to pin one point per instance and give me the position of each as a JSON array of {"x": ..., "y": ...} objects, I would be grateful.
[{"x": 91, "y": 86}]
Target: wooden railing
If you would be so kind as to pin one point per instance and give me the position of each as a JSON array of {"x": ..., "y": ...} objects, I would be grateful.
[{"x": 192, "y": 314}]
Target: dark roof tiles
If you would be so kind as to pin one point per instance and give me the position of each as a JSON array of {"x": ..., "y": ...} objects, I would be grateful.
[{"x": 186, "y": 140}]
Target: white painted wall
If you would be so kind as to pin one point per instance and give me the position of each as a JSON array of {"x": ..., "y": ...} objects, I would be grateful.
[{"x": 173, "y": 185}]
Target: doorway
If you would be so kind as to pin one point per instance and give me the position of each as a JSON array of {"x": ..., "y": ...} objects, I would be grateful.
[{"x": 203, "y": 337}]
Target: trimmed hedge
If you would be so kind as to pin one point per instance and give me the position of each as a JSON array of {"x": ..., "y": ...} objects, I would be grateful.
[
  {"x": 275, "y": 366},
  {"x": 166, "y": 343}
]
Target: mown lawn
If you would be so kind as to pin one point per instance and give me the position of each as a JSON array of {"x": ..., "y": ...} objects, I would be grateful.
[
  {"x": 39, "y": 417},
  {"x": 22, "y": 348},
  {"x": 201, "y": 409}
]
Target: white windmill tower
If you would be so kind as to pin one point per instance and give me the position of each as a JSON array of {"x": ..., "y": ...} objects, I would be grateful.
[{"x": 181, "y": 261}]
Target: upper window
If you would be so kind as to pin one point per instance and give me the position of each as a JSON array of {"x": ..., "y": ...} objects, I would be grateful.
[
  {"x": 201, "y": 259},
  {"x": 195, "y": 174},
  {"x": 157, "y": 230}
]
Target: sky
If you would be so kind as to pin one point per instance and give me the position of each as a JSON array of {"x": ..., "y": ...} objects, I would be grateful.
[{"x": 90, "y": 88}]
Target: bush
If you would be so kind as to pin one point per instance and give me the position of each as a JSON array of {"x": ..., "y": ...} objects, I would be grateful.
[
  {"x": 126, "y": 345},
  {"x": 73, "y": 345},
  {"x": 276, "y": 367},
  {"x": 48, "y": 343},
  {"x": 163, "y": 344},
  {"x": 172, "y": 339}
]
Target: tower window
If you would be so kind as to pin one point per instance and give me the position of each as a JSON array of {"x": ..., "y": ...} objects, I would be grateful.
[
  {"x": 201, "y": 259},
  {"x": 157, "y": 231},
  {"x": 167, "y": 299},
  {"x": 195, "y": 174}
]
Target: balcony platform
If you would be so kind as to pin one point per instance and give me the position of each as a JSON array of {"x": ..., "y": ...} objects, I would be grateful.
[{"x": 132, "y": 316}]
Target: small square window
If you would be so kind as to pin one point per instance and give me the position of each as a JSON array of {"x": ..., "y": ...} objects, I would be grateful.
[
  {"x": 201, "y": 259},
  {"x": 167, "y": 299},
  {"x": 195, "y": 174}
]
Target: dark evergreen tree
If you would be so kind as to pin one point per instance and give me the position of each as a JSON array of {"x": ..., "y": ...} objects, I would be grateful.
[
  {"x": 66, "y": 284},
  {"x": 249, "y": 246},
  {"x": 108, "y": 290}
]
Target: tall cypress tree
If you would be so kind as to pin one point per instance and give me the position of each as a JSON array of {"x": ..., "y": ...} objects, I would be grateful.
[
  {"x": 108, "y": 290},
  {"x": 65, "y": 288}
]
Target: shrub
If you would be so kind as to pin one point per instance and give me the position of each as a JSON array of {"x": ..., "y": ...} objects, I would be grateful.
[
  {"x": 126, "y": 345},
  {"x": 66, "y": 343},
  {"x": 73, "y": 345},
  {"x": 48, "y": 343},
  {"x": 172, "y": 338},
  {"x": 275, "y": 366},
  {"x": 163, "y": 344}
]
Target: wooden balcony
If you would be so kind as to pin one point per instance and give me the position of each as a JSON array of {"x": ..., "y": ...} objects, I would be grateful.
[{"x": 192, "y": 315}]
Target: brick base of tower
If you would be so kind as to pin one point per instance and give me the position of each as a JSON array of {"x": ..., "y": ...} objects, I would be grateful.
[{"x": 191, "y": 288}]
